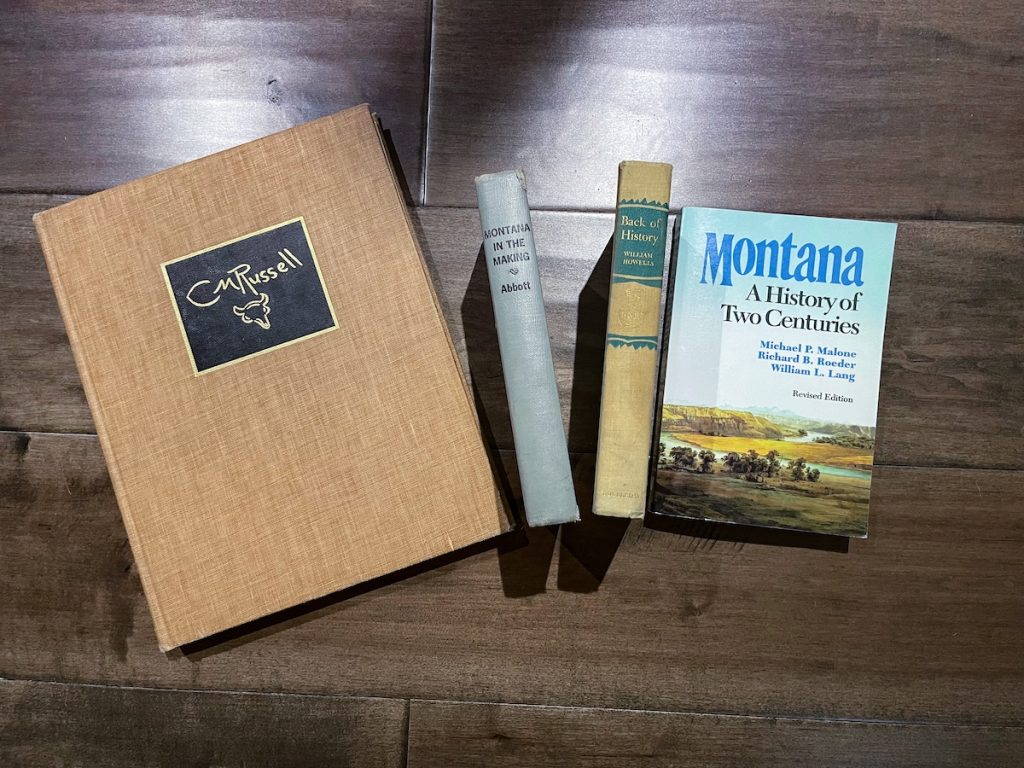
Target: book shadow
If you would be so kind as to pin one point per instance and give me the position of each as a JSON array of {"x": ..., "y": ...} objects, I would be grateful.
[
  {"x": 589, "y": 546},
  {"x": 298, "y": 615},
  {"x": 524, "y": 555},
  {"x": 709, "y": 532},
  {"x": 396, "y": 164}
]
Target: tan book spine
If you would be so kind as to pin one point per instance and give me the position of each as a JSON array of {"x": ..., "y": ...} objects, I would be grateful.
[{"x": 631, "y": 344}]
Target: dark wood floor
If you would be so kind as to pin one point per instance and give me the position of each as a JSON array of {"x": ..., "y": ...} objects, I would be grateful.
[{"x": 617, "y": 645}]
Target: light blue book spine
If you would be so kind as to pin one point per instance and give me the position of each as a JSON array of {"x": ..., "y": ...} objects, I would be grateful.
[{"x": 544, "y": 472}]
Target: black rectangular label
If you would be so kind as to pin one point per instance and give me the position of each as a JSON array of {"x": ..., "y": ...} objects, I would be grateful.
[{"x": 249, "y": 295}]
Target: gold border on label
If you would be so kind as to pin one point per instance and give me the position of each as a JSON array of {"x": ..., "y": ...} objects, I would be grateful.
[{"x": 181, "y": 324}]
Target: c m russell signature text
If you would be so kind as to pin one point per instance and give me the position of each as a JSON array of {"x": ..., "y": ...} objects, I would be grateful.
[{"x": 240, "y": 278}]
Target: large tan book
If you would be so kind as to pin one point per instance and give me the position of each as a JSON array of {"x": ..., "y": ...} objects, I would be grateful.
[
  {"x": 631, "y": 344},
  {"x": 272, "y": 381}
]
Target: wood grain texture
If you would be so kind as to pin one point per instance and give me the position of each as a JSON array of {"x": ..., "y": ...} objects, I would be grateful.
[
  {"x": 449, "y": 735},
  {"x": 912, "y": 638},
  {"x": 923, "y": 621},
  {"x": 39, "y": 384},
  {"x": 857, "y": 108},
  {"x": 49, "y": 724},
  {"x": 103, "y": 92},
  {"x": 952, "y": 390}
]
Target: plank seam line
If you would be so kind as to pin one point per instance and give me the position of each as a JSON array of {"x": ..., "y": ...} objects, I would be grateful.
[
  {"x": 606, "y": 211},
  {"x": 731, "y": 715},
  {"x": 1011, "y": 222},
  {"x": 424, "y": 152},
  {"x": 408, "y": 702},
  {"x": 580, "y": 454},
  {"x": 405, "y": 733},
  {"x": 53, "y": 191},
  {"x": 215, "y": 691}
]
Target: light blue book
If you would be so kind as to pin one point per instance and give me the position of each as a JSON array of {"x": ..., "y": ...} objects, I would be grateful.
[
  {"x": 772, "y": 360},
  {"x": 544, "y": 471}
]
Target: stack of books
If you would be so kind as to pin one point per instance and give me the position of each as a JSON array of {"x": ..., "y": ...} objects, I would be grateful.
[{"x": 262, "y": 349}]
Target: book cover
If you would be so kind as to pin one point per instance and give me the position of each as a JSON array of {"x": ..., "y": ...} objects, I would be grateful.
[
  {"x": 631, "y": 343},
  {"x": 772, "y": 363},
  {"x": 273, "y": 385},
  {"x": 537, "y": 429}
]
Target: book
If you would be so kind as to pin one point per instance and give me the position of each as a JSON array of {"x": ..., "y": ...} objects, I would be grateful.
[
  {"x": 773, "y": 355},
  {"x": 279, "y": 403},
  {"x": 631, "y": 344},
  {"x": 537, "y": 428}
]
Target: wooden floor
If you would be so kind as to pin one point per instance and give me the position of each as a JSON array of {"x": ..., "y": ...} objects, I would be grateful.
[{"x": 615, "y": 645}]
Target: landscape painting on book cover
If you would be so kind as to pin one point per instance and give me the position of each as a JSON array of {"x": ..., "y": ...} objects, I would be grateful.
[
  {"x": 773, "y": 356},
  {"x": 763, "y": 466}
]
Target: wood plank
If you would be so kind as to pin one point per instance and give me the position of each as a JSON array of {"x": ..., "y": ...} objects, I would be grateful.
[
  {"x": 100, "y": 93},
  {"x": 502, "y": 736},
  {"x": 952, "y": 390},
  {"x": 40, "y": 386},
  {"x": 48, "y": 724},
  {"x": 922, "y": 621},
  {"x": 866, "y": 109}
]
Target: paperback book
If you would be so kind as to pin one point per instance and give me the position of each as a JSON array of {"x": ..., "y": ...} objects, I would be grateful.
[{"x": 771, "y": 368}]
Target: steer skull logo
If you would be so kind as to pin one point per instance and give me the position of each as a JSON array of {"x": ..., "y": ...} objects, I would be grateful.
[{"x": 256, "y": 311}]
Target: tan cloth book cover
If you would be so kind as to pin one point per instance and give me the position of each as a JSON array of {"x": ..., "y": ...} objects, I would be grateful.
[
  {"x": 631, "y": 343},
  {"x": 273, "y": 384}
]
